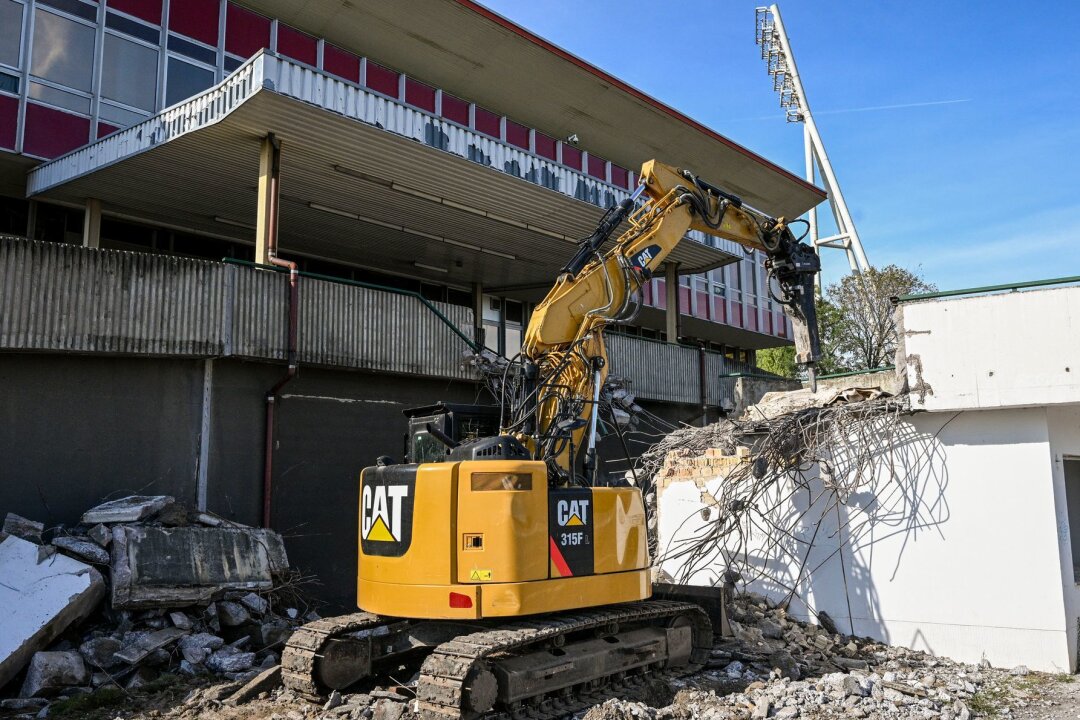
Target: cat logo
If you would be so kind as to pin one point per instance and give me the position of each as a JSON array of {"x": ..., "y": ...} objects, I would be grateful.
[
  {"x": 570, "y": 513},
  {"x": 645, "y": 257},
  {"x": 382, "y": 512},
  {"x": 386, "y": 510}
]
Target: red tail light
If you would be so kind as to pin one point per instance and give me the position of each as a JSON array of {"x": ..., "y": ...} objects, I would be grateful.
[{"x": 457, "y": 600}]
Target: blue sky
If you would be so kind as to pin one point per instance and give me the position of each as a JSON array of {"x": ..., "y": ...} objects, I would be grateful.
[{"x": 981, "y": 191}]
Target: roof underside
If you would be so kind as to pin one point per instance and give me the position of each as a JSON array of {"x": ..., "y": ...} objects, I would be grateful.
[
  {"x": 395, "y": 184},
  {"x": 467, "y": 50}
]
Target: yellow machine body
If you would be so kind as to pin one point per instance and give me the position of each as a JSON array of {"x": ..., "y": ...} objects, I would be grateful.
[{"x": 488, "y": 538}]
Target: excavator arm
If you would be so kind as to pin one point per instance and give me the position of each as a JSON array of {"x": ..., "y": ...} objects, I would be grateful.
[{"x": 563, "y": 355}]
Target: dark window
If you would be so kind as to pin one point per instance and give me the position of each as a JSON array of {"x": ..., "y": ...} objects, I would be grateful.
[
  {"x": 341, "y": 63},
  {"x": 297, "y": 45},
  {"x": 1072, "y": 503},
  {"x": 186, "y": 80},
  {"x": 419, "y": 94},
  {"x": 231, "y": 64},
  {"x": 13, "y": 214},
  {"x": 382, "y": 79},
  {"x": 192, "y": 50},
  {"x": 132, "y": 28},
  {"x": 434, "y": 293},
  {"x": 195, "y": 18},
  {"x": 487, "y": 122},
  {"x": 74, "y": 67},
  {"x": 246, "y": 33},
  {"x": 517, "y": 134},
  {"x": 545, "y": 145},
  {"x": 129, "y": 72},
  {"x": 127, "y": 233},
  {"x": 455, "y": 109},
  {"x": 9, "y": 83},
  {"x": 459, "y": 297},
  {"x": 11, "y": 19},
  {"x": 514, "y": 311},
  {"x": 54, "y": 223},
  {"x": 51, "y": 133},
  {"x": 73, "y": 7},
  {"x": 59, "y": 98},
  {"x": 148, "y": 10},
  {"x": 571, "y": 157}
]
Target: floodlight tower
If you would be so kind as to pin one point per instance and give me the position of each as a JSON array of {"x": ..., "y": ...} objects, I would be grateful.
[{"x": 780, "y": 62}]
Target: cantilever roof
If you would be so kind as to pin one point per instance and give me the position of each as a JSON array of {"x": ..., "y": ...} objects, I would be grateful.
[
  {"x": 470, "y": 51},
  {"x": 364, "y": 180}
]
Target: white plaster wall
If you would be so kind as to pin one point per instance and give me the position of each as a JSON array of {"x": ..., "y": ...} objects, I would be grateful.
[
  {"x": 963, "y": 559},
  {"x": 1064, "y": 427},
  {"x": 976, "y": 352}
]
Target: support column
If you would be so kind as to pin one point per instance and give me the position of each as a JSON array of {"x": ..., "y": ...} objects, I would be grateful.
[
  {"x": 91, "y": 235},
  {"x": 266, "y": 220},
  {"x": 671, "y": 289},
  {"x": 31, "y": 219},
  {"x": 478, "y": 314}
]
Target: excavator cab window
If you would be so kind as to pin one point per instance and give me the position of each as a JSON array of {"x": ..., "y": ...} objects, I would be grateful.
[{"x": 457, "y": 421}]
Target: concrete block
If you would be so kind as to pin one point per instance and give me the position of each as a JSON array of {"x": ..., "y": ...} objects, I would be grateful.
[
  {"x": 101, "y": 534},
  {"x": 142, "y": 646},
  {"x": 174, "y": 567},
  {"x": 100, "y": 652},
  {"x": 125, "y": 510},
  {"x": 265, "y": 681},
  {"x": 51, "y": 672},
  {"x": 39, "y": 601},
  {"x": 232, "y": 614},
  {"x": 22, "y": 528},
  {"x": 81, "y": 549}
]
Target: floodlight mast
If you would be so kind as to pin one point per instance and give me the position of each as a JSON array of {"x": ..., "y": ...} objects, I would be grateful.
[{"x": 780, "y": 63}]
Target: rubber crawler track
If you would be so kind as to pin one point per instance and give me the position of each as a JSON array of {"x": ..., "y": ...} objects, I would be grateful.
[
  {"x": 441, "y": 690},
  {"x": 305, "y": 645}
]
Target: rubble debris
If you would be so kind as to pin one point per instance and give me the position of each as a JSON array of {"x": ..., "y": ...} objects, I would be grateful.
[
  {"x": 173, "y": 567},
  {"x": 232, "y": 614},
  {"x": 39, "y": 601},
  {"x": 20, "y": 527},
  {"x": 82, "y": 549},
  {"x": 51, "y": 672},
  {"x": 267, "y": 680},
  {"x": 127, "y": 509},
  {"x": 101, "y": 534},
  {"x": 140, "y": 645},
  {"x": 100, "y": 652}
]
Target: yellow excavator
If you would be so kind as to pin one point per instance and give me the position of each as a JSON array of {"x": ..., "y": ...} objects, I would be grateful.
[{"x": 503, "y": 567}]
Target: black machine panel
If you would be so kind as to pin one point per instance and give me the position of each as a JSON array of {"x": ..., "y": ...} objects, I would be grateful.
[
  {"x": 570, "y": 527},
  {"x": 387, "y": 495}
]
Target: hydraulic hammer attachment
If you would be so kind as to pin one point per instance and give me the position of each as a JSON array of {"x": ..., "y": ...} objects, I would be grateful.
[{"x": 794, "y": 264}]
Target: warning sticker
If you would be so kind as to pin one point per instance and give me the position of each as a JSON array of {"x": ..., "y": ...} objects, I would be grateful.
[{"x": 480, "y": 575}]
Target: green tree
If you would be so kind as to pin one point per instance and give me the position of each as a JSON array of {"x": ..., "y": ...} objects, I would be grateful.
[
  {"x": 858, "y": 318},
  {"x": 778, "y": 361},
  {"x": 781, "y": 360}
]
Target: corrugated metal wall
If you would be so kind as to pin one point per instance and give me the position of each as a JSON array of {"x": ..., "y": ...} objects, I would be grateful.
[{"x": 68, "y": 298}]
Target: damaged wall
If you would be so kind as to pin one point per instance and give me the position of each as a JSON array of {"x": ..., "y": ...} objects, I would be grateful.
[
  {"x": 78, "y": 429},
  {"x": 960, "y": 553}
]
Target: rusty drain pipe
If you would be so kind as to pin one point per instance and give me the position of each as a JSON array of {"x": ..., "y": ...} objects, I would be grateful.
[{"x": 294, "y": 316}]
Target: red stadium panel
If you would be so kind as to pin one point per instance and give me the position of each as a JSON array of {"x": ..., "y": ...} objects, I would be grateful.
[
  {"x": 51, "y": 133},
  {"x": 9, "y": 121},
  {"x": 736, "y": 314},
  {"x": 104, "y": 128},
  {"x": 684, "y": 300},
  {"x": 341, "y": 63},
  {"x": 487, "y": 122},
  {"x": 660, "y": 301},
  {"x": 620, "y": 176},
  {"x": 646, "y": 294},
  {"x": 545, "y": 145},
  {"x": 148, "y": 10},
  {"x": 781, "y": 325},
  {"x": 382, "y": 79},
  {"x": 195, "y": 18},
  {"x": 455, "y": 109},
  {"x": 719, "y": 309},
  {"x": 297, "y": 45},
  {"x": 517, "y": 134},
  {"x": 768, "y": 323},
  {"x": 419, "y": 94},
  {"x": 751, "y": 318},
  {"x": 571, "y": 157},
  {"x": 597, "y": 167},
  {"x": 246, "y": 33},
  {"x": 702, "y": 305}
]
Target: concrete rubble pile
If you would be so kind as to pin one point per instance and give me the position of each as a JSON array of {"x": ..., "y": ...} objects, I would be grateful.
[
  {"x": 139, "y": 588},
  {"x": 777, "y": 667}
]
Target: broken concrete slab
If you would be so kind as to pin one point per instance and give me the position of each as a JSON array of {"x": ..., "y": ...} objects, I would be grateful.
[
  {"x": 173, "y": 567},
  {"x": 82, "y": 549},
  {"x": 255, "y": 603},
  {"x": 39, "y": 601},
  {"x": 51, "y": 672},
  {"x": 143, "y": 645},
  {"x": 125, "y": 510},
  {"x": 23, "y": 528},
  {"x": 101, "y": 534},
  {"x": 265, "y": 681},
  {"x": 230, "y": 660},
  {"x": 100, "y": 652},
  {"x": 232, "y": 614}
]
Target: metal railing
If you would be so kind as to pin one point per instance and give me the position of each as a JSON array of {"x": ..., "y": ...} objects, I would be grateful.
[{"x": 988, "y": 289}]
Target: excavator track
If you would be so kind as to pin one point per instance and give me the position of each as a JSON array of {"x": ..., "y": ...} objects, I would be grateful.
[
  {"x": 459, "y": 680},
  {"x": 308, "y": 644}
]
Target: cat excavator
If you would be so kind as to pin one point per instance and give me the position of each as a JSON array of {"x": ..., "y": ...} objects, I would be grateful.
[{"x": 503, "y": 567}]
